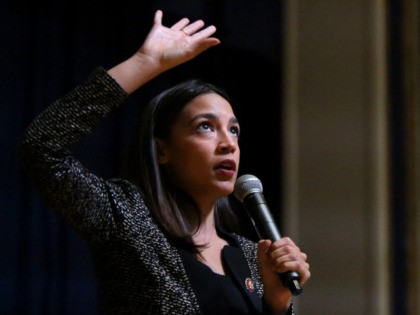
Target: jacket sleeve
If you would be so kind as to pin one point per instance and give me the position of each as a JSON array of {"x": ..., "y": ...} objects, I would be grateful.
[{"x": 66, "y": 186}]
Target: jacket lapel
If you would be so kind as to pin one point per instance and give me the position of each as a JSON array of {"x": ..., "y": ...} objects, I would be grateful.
[{"x": 235, "y": 260}]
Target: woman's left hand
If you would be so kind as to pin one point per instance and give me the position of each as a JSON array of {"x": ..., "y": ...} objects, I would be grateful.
[{"x": 276, "y": 258}]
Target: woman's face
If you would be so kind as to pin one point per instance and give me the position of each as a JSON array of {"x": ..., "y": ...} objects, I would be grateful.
[{"x": 202, "y": 154}]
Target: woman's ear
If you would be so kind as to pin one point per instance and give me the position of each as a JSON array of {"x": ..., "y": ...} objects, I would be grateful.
[{"x": 161, "y": 151}]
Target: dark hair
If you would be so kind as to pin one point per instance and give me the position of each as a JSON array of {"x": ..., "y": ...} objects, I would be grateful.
[{"x": 167, "y": 203}]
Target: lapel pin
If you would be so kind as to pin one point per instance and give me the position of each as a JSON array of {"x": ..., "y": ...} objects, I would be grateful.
[{"x": 249, "y": 284}]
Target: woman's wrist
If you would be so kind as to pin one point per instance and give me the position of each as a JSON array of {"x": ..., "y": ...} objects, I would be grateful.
[
  {"x": 279, "y": 309},
  {"x": 135, "y": 72},
  {"x": 284, "y": 310}
]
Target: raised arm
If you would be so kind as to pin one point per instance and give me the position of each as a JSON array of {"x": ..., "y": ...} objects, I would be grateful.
[
  {"x": 163, "y": 48},
  {"x": 47, "y": 145}
]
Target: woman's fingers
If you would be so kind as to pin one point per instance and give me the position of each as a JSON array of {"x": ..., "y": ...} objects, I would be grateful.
[{"x": 158, "y": 17}]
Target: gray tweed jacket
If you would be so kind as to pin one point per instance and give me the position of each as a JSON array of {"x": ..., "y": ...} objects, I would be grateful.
[{"x": 138, "y": 270}]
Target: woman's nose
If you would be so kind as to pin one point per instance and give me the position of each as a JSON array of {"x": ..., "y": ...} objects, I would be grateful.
[{"x": 227, "y": 143}]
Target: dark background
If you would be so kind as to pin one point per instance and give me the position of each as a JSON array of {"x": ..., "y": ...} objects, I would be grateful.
[{"x": 49, "y": 47}]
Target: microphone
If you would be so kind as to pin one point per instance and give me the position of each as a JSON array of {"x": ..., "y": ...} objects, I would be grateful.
[{"x": 248, "y": 190}]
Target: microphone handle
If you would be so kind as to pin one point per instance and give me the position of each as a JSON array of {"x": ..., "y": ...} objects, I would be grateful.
[{"x": 267, "y": 229}]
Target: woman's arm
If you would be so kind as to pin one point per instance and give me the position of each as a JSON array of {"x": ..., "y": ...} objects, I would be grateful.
[{"x": 46, "y": 149}]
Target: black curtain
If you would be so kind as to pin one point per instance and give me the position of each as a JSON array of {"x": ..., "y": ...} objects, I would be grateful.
[
  {"x": 403, "y": 26},
  {"x": 47, "y": 48}
]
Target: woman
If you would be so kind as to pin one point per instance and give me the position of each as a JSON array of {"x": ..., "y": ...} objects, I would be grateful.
[{"x": 159, "y": 240}]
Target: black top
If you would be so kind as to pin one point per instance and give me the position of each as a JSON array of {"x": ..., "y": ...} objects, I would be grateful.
[{"x": 216, "y": 294}]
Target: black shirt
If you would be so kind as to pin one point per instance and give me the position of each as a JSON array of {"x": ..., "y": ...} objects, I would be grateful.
[{"x": 222, "y": 294}]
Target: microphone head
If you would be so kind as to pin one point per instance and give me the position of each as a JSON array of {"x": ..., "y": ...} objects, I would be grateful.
[{"x": 245, "y": 185}]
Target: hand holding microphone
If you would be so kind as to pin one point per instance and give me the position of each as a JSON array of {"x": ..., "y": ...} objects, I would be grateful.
[{"x": 248, "y": 190}]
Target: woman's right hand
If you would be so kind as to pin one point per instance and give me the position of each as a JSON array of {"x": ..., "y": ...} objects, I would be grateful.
[
  {"x": 171, "y": 46},
  {"x": 164, "y": 48}
]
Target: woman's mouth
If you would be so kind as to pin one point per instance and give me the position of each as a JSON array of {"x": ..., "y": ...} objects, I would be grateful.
[{"x": 226, "y": 167}]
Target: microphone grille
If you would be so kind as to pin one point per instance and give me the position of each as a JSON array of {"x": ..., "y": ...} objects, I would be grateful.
[{"x": 245, "y": 185}]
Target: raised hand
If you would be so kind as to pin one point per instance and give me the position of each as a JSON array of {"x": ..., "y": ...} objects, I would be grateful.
[
  {"x": 163, "y": 48},
  {"x": 170, "y": 46}
]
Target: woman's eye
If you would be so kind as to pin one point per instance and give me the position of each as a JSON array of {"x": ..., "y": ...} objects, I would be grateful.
[
  {"x": 204, "y": 126},
  {"x": 234, "y": 130}
]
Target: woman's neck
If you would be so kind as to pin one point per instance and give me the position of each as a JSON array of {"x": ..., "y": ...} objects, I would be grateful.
[{"x": 206, "y": 232}]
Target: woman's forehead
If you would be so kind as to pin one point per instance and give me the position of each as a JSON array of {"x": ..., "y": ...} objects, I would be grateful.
[{"x": 210, "y": 102}]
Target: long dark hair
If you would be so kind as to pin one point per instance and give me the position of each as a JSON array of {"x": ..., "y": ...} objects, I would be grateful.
[{"x": 167, "y": 203}]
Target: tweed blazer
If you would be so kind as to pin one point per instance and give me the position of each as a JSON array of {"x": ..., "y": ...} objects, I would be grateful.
[{"x": 138, "y": 271}]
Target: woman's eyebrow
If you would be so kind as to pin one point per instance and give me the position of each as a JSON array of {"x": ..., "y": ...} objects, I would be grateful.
[{"x": 212, "y": 116}]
